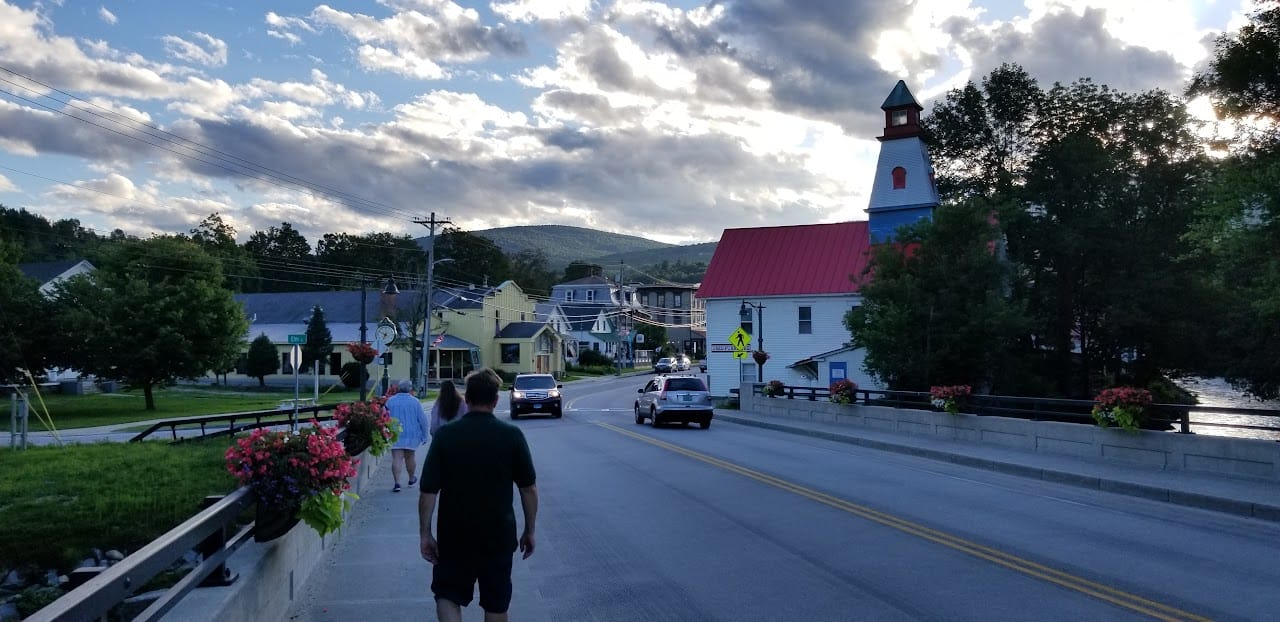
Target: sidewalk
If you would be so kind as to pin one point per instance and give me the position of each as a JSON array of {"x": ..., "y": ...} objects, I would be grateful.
[{"x": 1233, "y": 495}]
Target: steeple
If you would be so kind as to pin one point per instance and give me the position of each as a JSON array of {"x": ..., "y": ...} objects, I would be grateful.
[{"x": 903, "y": 190}]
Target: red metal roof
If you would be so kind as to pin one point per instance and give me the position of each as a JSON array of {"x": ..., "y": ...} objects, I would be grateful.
[{"x": 779, "y": 261}]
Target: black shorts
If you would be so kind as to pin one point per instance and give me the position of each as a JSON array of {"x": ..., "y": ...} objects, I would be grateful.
[{"x": 455, "y": 580}]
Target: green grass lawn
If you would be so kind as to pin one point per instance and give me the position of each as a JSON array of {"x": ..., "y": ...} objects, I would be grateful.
[
  {"x": 81, "y": 411},
  {"x": 56, "y": 503}
]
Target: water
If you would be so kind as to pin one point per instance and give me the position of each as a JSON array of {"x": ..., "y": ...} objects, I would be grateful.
[{"x": 1217, "y": 392}]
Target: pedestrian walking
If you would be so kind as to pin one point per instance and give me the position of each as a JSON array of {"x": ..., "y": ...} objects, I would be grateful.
[
  {"x": 405, "y": 408},
  {"x": 449, "y": 406},
  {"x": 471, "y": 467}
]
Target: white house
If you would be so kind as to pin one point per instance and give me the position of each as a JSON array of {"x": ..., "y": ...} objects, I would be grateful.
[{"x": 789, "y": 288}]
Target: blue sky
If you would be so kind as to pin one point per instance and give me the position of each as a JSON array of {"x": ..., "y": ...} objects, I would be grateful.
[{"x": 667, "y": 120}]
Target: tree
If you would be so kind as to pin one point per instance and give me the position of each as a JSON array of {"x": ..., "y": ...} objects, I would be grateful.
[
  {"x": 1243, "y": 80},
  {"x": 281, "y": 252},
  {"x": 218, "y": 239},
  {"x": 319, "y": 340},
  {"x": 655, "y": 336},
  {"x": 262, "y": 360},
  {"x": 374, "y": 253},
  {"x": 23, "y": 326},
  {"x": 529, "y": 269},
  {"x": 581, "y": 269},
  {"x": 476, "y": 259},
  {"x": 938, "y": 309},
  {"x": 154, "y": 311}
]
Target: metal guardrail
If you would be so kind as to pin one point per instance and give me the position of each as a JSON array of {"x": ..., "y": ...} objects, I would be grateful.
[
  {"x": 1178, "y": 417},
  {"x": 254, "y": 419},
  {"x": 205, "y": 532}
]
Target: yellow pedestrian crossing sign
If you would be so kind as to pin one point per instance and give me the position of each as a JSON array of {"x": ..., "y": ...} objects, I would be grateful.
[
  {"x": 739, "y": 354},
  {"x": 740, "y": 340}
]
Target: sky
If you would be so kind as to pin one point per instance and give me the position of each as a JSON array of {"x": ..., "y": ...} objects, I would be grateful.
[{"x": 666, "y": 120}]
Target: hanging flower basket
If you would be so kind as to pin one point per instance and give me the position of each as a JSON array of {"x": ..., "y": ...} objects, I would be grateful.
[
  {"x": 302, "y": 475},
  {"x": 950, "y": 397},
  {"x": 369, "y": 426},
  {"x": 362, "y": 352},
  {"x": 760, "y": 356},
  {"x": 1123, "y": 407}
]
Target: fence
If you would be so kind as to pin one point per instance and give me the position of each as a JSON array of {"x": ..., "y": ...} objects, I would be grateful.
[
  {"x": 1178, "y": 417},
  {"x": 251, "y": 420}
]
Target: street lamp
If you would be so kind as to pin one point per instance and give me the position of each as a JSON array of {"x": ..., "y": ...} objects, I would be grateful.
[
  {"x": 744, "y": 313},
  {"x": 390, "y": 289}
]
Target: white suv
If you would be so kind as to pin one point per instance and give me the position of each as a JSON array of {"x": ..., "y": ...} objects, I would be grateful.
[{"x": 672, "y": 399}]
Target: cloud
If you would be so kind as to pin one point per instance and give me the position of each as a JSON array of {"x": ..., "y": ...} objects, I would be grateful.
[
  {"x": 6, "y": 185},
  {"x": 107, "y": 16},
  {"x": 421, "y": 37},
  {"x": 543, "y": 10},
  {"x": 208, "y": 51},
  {"x": 1064, "y": 46}
]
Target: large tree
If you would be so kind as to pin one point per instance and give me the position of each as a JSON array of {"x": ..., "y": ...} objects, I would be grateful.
[
  {"x": 1104, "y": 185},
  {"x": 284, "y": 259},
  {"x": 218, "y": 238},
  {"x": 372, "y": 254},
  {"x": 261, "y": 360},
  {"x": 1243, "y": 79},
  {"x": 938, "y": 310},
  {"x": 155, "y": 311},
  {"x": 529, "y": 269},
  {"x": 474, "y": 259},
  {"x": 24, "y": 343}
]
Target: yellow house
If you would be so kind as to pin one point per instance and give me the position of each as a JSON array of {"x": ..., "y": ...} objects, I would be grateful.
[{"x": 490, "y": 326}]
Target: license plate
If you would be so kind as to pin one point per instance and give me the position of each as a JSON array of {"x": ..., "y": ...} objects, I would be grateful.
[
  {"x": 686, "y": 398},
  {"x": 536, "y": 406}
]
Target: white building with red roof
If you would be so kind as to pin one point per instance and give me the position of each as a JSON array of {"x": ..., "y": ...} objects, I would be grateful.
[{"x": 789, "y": 288}]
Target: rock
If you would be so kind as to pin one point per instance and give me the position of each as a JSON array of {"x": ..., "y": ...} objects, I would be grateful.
[
  {"x": 12, "y": 580},
  {"x": 97, "y": 555},
  {"x": 51, "y": 578},
  {"x": 8, "y": 611},
  {"x": 88, "y": 562},
  {"x": 114, "y": 555}
]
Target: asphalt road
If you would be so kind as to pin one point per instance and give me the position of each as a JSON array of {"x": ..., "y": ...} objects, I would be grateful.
[{"x": 741, "y": 523}]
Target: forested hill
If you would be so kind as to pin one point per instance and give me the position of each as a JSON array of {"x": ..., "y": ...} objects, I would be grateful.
[{"x": 564, "y": 244}]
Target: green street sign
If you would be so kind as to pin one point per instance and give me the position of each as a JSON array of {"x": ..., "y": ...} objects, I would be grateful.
[{"x": 298, "y": 339}]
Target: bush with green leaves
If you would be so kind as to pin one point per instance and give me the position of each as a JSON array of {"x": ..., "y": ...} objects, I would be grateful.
[{"x": 593, "y": 357}]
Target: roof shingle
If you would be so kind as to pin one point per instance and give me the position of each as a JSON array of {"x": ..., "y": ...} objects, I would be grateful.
[{"x": 782, "y": 261}]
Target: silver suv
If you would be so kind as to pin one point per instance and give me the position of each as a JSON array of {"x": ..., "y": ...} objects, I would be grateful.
[{"x": 672, "y": 399}]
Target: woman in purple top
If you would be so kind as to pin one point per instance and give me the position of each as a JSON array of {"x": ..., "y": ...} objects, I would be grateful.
[{"x": 449, "y": 405}]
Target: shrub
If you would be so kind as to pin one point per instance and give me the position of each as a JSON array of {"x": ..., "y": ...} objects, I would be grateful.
[
  {"x": 948, "y": 397},
  {"x": 774, "y": 387},
  {"x": 351, "y": 375},
  {"x": 843, "y": 391},
  {"x": 589, "y": 358}
]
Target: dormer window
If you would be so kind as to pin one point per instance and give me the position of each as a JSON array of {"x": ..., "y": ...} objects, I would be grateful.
[
  {"x": 591, "y": 295},
  {"x": 897, "y": 117},
  {"x": 899, "y": 178}
]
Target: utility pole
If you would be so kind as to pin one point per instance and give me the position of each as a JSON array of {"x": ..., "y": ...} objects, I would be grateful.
[{"x": 430, "y": 224}]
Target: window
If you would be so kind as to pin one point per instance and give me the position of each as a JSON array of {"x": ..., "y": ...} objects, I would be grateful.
[
  {"x": 676, "y": 300},
  {"x": 662, "y": 300},
  {"x": 591, "y": 295},
  {"x": 644, "y": 299},
  {"x": 899, "y": 178},
  {"x": 898, "y": 117},
  {"x": 335, "y": 363},
  {"x": 806, "y": 320},
  {"x": 568, "y": 295},
  {"x": 285, "y": 367},
  {"x": 511, "y": 353}
]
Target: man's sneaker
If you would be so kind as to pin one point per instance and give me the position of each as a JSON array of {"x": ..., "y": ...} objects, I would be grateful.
[
  {"x": 396, "y": 489},
  {"x": 412, "y": 481}
]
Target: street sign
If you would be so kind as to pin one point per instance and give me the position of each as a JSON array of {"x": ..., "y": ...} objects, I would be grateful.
[
  {"x": 639, "y": 337},
  {"x": 740, "y": 340},
  {"x": 739, "y": 354},
  {"x": 296, "y": 339},
  {"x": 295, "y": 357}
]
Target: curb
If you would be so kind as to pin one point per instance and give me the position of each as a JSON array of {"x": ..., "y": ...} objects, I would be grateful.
[{"x": 1213, "y": 503}]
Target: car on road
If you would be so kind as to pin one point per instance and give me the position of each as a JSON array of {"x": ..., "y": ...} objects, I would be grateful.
[
  {"x": 683, "y": 363},
  {"x": 665, "y": 365},
  {"x": 674, "y": 399},
  {"x": 536, "y": 393}
]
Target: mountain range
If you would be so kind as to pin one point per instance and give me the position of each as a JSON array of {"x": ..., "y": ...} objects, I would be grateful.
[{"x": 562, "y": 245}]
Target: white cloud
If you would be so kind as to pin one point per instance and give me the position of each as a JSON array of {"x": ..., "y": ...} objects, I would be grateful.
[
  {"x": 207, "y": 50},
  {"x": 107, "y": 16},
  {"x": 543, "y": 10},
  {"x": 6, "y": 185}
]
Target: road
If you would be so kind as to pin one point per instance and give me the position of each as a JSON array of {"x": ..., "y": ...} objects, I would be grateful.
[{"x": 738, "y": 523}]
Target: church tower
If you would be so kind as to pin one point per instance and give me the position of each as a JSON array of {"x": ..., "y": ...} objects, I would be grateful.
[{"x": 903, "y": 191}]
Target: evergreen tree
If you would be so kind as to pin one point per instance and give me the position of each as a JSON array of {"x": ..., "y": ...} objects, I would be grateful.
[
  {"x": 262, "y": 360},
  {"x": 319, "y": 340}
]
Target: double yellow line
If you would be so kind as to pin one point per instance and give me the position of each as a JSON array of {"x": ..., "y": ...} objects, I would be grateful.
[{"x": 1106, "y": 593}]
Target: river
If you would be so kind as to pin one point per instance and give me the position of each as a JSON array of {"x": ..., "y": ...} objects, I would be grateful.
[{"x": 1217, "y": 392}]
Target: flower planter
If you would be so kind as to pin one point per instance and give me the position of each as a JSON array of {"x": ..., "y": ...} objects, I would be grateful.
[
  {"x": 356, "y": 444},
  {"x": 272, "y": 521}
]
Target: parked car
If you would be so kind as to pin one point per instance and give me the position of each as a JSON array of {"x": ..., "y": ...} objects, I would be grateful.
[
  {"x": 536, "y": 393},
  {"x": 674, "y": 399},
  {"x": 665, "y": 365},
  {"x": 683, "y": 363}
]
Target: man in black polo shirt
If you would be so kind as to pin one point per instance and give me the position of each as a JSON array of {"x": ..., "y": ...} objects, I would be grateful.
[{"x": 471, "y": 465}]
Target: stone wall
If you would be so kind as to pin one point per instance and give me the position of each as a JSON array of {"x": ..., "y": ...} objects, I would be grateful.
[{"x": 1166, "y": 450}]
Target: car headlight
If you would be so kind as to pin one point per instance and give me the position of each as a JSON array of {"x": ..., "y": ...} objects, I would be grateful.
[
  {"x": 553, "y": 393},
  {"x": 517, "y": 395}
]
